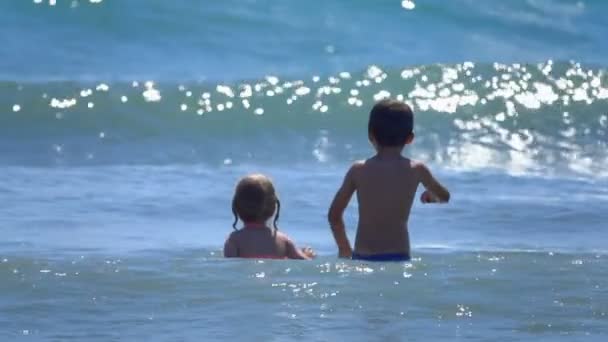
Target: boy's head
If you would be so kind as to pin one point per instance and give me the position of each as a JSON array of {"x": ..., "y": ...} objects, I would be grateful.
[
  {"x": 255, "y": 200},
  {"x": 391, "y": 124}
]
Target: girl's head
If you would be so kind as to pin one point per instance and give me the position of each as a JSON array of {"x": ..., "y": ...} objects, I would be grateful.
[{"x": 255, "y": 200}]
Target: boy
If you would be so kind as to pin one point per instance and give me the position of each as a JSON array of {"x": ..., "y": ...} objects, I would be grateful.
[{"x": 386, "y": 185}]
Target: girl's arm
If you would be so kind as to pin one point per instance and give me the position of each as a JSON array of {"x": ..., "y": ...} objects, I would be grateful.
[{"x": 295, "y": 253}]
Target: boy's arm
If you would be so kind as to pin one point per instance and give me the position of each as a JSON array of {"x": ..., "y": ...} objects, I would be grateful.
[
  {"x": 336, "y": 211},
  {"x": 439, "y": 192},
  {"x": 230, "y": 250}
]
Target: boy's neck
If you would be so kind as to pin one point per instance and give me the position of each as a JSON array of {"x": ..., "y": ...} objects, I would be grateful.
[{"x": 389, "y": 152}]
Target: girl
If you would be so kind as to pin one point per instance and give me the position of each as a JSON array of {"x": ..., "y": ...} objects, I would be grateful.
[{"x": 254, "y": 203}]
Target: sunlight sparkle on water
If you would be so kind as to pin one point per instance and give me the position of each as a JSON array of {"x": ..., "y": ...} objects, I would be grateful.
[
  {"x": 408, "y": 5},
  {"x": 102, "y": 87},
  {"x": 510, "y": 92},
  {"x": 151, "y": 94},
  {"x": 224, "y": 89},
  {"x": 302, "y": 91}
]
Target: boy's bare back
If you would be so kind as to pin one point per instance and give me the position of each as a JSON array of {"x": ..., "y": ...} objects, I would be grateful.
[
  {"x": 386, "y": 185},
  {"x": 385, "y": 188},
  {"x": 385, "y": 192}
]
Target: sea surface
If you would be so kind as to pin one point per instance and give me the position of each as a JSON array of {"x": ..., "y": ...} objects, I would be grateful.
[{"x": 124, "y": 126}]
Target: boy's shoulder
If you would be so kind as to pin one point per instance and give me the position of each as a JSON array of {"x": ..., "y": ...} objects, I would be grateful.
[
  {"x": 361, "y": 167},
  {"x": 359, "y": 164},
  {"x": 403, "y": 162},
  {"x": 356, "y": 168},
  {"x": 418, "y": 166}
]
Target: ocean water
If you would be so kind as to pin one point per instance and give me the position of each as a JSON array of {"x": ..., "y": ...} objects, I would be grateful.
[{"x": 124, "y": 126}]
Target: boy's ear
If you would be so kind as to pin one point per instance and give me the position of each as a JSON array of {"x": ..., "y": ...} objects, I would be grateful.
[
  {"x": 371, "y": 138},
  {"x": 409, "y": 138}
]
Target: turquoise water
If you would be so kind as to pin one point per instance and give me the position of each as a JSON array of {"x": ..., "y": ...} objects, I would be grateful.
[{"x": 125, "y": 125}]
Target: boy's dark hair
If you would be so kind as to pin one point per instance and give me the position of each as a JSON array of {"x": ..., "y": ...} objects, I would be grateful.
[{"x": 391, "y": 122}]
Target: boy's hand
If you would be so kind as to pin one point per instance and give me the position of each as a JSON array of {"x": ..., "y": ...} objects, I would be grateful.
[
  {"x": 435, "y": 192},
  {"x": 309, "y": 252},
  {"x": 428, "y": 197}
]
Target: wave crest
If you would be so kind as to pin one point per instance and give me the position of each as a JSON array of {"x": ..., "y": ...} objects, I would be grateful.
[{"x": 546, "y": 118}]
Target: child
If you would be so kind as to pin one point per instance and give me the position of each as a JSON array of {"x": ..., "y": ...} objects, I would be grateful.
[
  {"x": 385, "y": 185},
  {"x": 255, "y": 202}
]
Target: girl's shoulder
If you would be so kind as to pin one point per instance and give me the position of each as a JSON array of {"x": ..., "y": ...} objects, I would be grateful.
[
  {"x": 234, "y": 235},
  {"x": 281, "y": 236}
]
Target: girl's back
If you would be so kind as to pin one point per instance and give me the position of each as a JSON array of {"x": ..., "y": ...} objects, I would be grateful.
[
  {"x": 255, "y": 202},
  {"x": 258, "y": 242}
]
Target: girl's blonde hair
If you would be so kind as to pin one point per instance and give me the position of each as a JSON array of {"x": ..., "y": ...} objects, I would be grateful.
[{"x": 255, "y": 200}]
